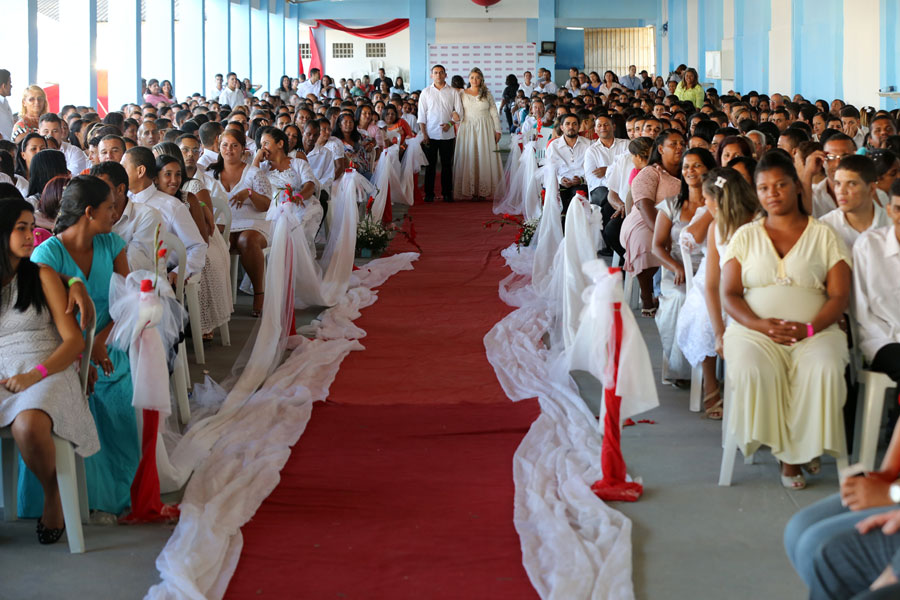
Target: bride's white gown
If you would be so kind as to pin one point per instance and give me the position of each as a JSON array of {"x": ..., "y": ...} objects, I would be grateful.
[{"x": 477, "y": 169}]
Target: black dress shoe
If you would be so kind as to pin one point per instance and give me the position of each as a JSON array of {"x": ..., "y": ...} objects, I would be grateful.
[
  {"x": 606, "y": 252},
  {"x": 429, "y": 198},
  {"x": 448, "y": 198},
  {"x": 47, "y": 535}
]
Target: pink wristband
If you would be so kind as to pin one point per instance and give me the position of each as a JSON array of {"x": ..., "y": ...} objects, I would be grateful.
[
  {"x": 809, "y": 330},
  {"x": 42, "y": 370}
]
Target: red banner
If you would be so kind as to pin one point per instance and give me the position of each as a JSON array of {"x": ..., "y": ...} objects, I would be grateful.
[{"x": 370, "y": 33}]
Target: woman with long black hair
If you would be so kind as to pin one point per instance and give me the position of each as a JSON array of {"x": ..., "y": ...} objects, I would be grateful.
[{"x": 39, "y": 390}]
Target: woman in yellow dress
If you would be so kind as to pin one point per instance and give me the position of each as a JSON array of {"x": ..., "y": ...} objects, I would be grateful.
[{"x": 786, "y": 283}]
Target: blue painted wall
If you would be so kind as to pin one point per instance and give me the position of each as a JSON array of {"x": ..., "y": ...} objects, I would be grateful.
[
  {"x": 709, "y": 32},
  {"x": 818, "y": 45},
  {"x": 678, "y": 41},
  {"x": 569, "y": 49},
  {"x": 752, "y": 22}
]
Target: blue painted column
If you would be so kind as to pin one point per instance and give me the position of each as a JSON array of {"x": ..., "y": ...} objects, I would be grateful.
[
  {"x": 22, "y": 36},
  {"x": 190, "y": 47},
  {"x": 276, "y": 36},
  {"x": 292, "y": 42},
  {"x": 241, "y": 38},
  {"x": 260, "y": 47},
  {"x": 125, "y": 68},
  {"x": 546, "y": 31},
  {"x": 158, "y": 57},
  {"x": 78, "y": 81},
  {"x": 418, "y": 45},
  {"x": 218, "y": 37}
]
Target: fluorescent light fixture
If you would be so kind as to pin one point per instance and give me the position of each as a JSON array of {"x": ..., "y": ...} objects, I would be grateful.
[{"x": 575, "y": 28}]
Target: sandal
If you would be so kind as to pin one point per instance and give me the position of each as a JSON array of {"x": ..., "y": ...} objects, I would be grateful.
[
  {"x": 793, "y": 482},
  {"x": 207, "y": 337},
  {"x": 253, "y": 312},
  {"x": 813, "y": 467},
  {"x": 649, "y": 312},
  {"x": 713, "y": 412},
  {"x": 47, "y": 535}
]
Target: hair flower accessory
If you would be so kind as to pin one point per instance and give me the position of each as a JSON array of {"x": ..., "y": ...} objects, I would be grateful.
[{"x": 720, "y": 182}]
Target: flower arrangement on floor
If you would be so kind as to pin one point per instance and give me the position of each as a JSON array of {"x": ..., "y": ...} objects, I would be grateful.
[
  {"x": 373, "y": 236},
  {"x": 526, "y": 228}
]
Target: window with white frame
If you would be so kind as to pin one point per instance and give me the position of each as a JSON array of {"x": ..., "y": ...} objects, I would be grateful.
[
  {"x": 376, "y": 50},
  {"x": 304, "y": 51},
  {"x": 342, "y": 50}
]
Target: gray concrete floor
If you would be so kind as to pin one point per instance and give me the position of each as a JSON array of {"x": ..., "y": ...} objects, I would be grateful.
[{"x": 692, "y": 539}]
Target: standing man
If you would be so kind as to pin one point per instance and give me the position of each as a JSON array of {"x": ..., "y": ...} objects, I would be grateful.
[
  {"x": 232, "y": 94},
  {"x": 632, "y": 81},
  {"x": 313, "y": 85},
  {"x": 216, "y": 91},
  {"x": 437, "y": 104},
  {"x": 6, "y": 115},
  {"x": 527, "y": 85}
]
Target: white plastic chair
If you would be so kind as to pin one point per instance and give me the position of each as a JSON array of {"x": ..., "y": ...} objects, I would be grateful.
[
  {"x": 190, "y": 297},
  {"x": 222, "y": 214},
  {"x": 696, "y": 400},
  {"x": 70, "y": 476},
  {"x": 181, "y": 376},
  {"x": 869, "y": 413}
]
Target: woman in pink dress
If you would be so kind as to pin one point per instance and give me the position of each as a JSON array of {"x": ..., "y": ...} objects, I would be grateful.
[{"x": 657, "y": 181}]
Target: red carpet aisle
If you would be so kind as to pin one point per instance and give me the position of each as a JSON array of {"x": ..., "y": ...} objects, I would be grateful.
[{"x": 401, "y": 486}]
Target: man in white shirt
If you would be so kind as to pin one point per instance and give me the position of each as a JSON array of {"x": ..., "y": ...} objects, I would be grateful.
[
  {"x": 140, "y": 165},
  {"x": 136, "y": 223},
  {"x": 857, "y": 212},
  {"x": 6, "y": 113},
  {"x": 876, "y": 296},
  {"x": 209, "y": 134},
  {"x": 313, "y": 85},
  {"x": 823, "y": 198},
  {"x": 527, "y": 85},
  {"x": 597, "y": 161},
  {"x": 112, "y": 147},
  {"x": 850, "y": 125},
  {"x": 437, "y": 104},
  {"x": 320, "y": 159},
  {"x": 232, "y": 94},
  {"x": 216, "y": 91},
  {"x": 632, "y": 81},
  {"x": 566, "y": 155},
  {"x": 544, "y": 82},
  {"x": 50, "y": 125}
]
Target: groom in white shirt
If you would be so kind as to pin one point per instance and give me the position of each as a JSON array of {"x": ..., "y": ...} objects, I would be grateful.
[{"x": 437, "y": 103}]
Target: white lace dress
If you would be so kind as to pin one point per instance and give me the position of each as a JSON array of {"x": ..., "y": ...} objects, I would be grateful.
[
  {"x": 477, "y": 168},
  {"x": 311, "y": 212},
  {"x": 671, "y": 300},
  {"x": 215, "y": 280},
  {"x": 27, "y": 339},
  {"x": 694, "y": 332},
  {"x": 246, "y": 217}
]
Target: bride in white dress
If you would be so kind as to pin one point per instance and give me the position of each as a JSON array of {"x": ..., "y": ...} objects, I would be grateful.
[{"x": 477, "y": 169}]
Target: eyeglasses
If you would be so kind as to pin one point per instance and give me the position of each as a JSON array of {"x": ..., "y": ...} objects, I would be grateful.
[
  {"x": 834, "y": 157},
  {"x": 191, "y": 151}
]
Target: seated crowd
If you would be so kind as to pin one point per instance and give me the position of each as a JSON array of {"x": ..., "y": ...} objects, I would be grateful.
[
  {"x": 786, "y": 211},
  {"x": 83, "y": 197},
  {"x": 787, "y": 214}
]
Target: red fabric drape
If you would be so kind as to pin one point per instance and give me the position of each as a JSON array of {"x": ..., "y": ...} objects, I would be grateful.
[
  {"x": 614, "y": 486},
  {"x": 300, "y": 62},
  {"x": 314, "y": 61},
  {"x": 146, "y": 505},
  {"x": 370, "y": 33}
]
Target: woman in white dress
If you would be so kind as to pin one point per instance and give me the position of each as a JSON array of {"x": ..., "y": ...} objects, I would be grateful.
[
  {"x": 292, "y": 179},
  {"x": 476, "y": 164},
  {"x": 674, "y": 214},
  {"x": 732, "y": 202},
  {"x": 249, "y": 192}
]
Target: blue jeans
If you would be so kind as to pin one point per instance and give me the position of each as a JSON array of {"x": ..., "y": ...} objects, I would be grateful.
[{"x": 813, "y": 527}]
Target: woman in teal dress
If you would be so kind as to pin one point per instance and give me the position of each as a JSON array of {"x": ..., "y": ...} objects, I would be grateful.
[{"x": 85, "y": 247}]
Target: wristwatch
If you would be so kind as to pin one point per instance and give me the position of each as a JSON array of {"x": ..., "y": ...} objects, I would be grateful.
[{"x": 894, "y": 492}]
